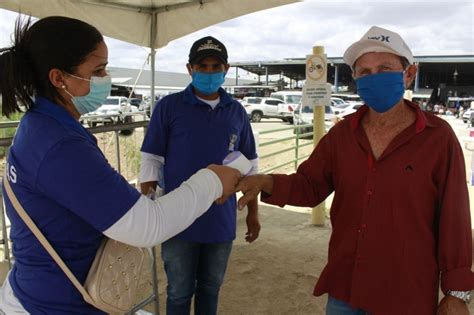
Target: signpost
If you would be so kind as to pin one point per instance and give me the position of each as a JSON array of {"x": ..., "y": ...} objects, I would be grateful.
[{"x": 317, "y": 93}]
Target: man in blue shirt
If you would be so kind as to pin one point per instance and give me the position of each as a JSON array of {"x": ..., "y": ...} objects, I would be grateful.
[{"x": 188, "y": 130}]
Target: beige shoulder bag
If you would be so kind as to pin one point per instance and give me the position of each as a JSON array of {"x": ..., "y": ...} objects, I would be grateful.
[{"x": 112, "y": 281}]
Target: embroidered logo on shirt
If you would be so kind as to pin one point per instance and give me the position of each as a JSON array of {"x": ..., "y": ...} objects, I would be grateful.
[
  {"x": 232, "y": 141},
  {"x": 11, "y": 173},
  {"x": 409, "y": 168}
]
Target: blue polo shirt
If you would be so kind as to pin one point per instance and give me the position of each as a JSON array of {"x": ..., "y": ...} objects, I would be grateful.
[
  {"x": 68, "y": 188},
  {"x": 190, "y": 135}
]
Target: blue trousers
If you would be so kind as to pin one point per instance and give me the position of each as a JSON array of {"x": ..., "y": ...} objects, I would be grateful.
[
  {"x": 194, "y": 269},
  {"x": 337, "y": 307}
]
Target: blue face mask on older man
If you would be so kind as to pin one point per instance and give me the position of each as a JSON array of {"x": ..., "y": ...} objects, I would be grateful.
[{"x": 381, "y": 91}]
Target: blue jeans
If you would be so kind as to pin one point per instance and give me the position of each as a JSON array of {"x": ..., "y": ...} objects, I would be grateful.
[
  {"x": 194, "y": 268},
  {"x": 338, "y": 307}
]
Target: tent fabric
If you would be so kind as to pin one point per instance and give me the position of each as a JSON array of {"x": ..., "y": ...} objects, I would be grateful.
[
  {"x": 150, "y": 23},
  {"x": 131, "y": 20}
]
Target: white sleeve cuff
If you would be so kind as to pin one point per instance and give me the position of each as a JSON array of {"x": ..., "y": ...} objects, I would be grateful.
[{"x": 254, "y": 169}]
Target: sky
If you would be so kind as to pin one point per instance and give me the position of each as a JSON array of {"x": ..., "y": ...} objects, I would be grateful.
[{"x": 430, "y": 27}]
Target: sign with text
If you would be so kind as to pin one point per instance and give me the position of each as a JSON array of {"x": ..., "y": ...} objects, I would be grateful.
[
  {"x": 316, "y": 94},
  {"x": 316, "y": 91}
]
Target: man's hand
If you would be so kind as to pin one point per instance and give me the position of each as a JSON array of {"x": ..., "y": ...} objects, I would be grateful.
[
  {"x": 451, "y": 305},
  {"x": 145, "y": 187},
  {"x": 229, "y": 178},
  {"x": 251, "y": 186},
  {"x": 253, "y": 227}
]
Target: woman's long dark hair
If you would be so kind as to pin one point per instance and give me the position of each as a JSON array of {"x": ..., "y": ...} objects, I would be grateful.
[{"x": 53, "y": 42}]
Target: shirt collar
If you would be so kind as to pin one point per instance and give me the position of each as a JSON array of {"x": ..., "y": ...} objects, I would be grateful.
[
  {"x": 190, "y": 97},
  {"x": 60, "y": 114},
  {"x": 422, "y": 121}
]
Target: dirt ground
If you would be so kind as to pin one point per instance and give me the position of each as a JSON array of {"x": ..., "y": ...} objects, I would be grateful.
[{"x": 276, "y": 274}]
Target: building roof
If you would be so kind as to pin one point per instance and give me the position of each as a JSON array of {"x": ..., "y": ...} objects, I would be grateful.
[
  {"x": 294, "y": 68},
  {"x": 163, "y": 79}
]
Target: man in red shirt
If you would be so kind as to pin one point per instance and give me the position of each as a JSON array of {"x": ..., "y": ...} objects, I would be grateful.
[{"x": 400, "y": 215}]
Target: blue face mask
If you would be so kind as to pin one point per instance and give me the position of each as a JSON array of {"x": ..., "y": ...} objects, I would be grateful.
[
  {"x": 381, "y": 91},
  {"x": 100, "y": 88},
  {"x": 208, "y": 83}
]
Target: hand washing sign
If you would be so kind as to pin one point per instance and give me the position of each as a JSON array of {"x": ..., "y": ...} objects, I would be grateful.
[
  {"x": 316, "y": 68},
  {"x": 316, "y": 92}
]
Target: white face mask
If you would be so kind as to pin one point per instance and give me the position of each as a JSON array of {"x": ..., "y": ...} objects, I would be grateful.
[{"x": 99, "y": 89}]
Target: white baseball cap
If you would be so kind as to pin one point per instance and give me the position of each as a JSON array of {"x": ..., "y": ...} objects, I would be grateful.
[{"x": 378, "y": 39}]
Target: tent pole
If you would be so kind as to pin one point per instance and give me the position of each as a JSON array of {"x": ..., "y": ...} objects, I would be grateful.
[
  {"x": 153, "y": 35},
  {"x": 152, "y": 56},
  {"x": 152, "y": 92}
]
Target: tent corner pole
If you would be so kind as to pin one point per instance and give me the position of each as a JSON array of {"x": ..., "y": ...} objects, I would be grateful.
[{"x": 153, "y": 33}]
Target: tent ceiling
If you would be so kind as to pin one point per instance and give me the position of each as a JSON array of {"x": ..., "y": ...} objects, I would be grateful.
[
  {"x": 135, "y": 21},
  {"x": 150, "y": 23}
]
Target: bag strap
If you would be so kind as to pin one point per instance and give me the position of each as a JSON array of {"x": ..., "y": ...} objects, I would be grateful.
[{"x": 47, "y": 246}]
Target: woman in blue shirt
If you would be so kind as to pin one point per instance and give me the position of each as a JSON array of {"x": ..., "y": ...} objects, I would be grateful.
[{"x": 56, "y": 69}]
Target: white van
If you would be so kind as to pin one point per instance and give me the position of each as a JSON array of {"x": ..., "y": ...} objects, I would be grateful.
[{"x": 291, "y": 100}]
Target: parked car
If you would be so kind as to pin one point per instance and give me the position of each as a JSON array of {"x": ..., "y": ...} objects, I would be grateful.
[
  {"x": 291, "y": 100},
  {"x": 338, "y": 102},
  {"x": 262, "y": 107},
  {"x": 347, "y": 97},
  {"x": 114, "y": 110},
  {"x": 136, "y": 102},
  {"x": 286, "y": 110},
  {"x": 145, "y": 106},
  {"x": 467, "y": 115},
  {"x": 352, "y": 107},
  {"x": 304, "y": 115}
]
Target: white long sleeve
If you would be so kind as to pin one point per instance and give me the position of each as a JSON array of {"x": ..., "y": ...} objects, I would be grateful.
[
  {"x": 149, "y": 222},
  {"x": 151, "y": 167}
]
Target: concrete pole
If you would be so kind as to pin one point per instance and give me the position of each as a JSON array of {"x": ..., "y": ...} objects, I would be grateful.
[
  {"x": 417, "y": 79},
  {"x": 318, "y": 214},
  {"x": 336, "y": 78}
]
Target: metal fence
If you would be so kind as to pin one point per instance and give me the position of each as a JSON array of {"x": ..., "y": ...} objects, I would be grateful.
[{"x": 300, "y": 132}]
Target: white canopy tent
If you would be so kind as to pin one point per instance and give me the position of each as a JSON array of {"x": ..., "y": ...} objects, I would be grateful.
[{"x": 150, "y": 23}]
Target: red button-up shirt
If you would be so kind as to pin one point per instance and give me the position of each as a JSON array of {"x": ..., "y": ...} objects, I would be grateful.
[{"x": 398, "y": 223}]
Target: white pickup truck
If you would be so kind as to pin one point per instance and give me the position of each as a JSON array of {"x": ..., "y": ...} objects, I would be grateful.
[
  {"x": 115, "y": 109},
  {"x": 291, "y": 99},
  {"x": 262, "y": 107}
]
